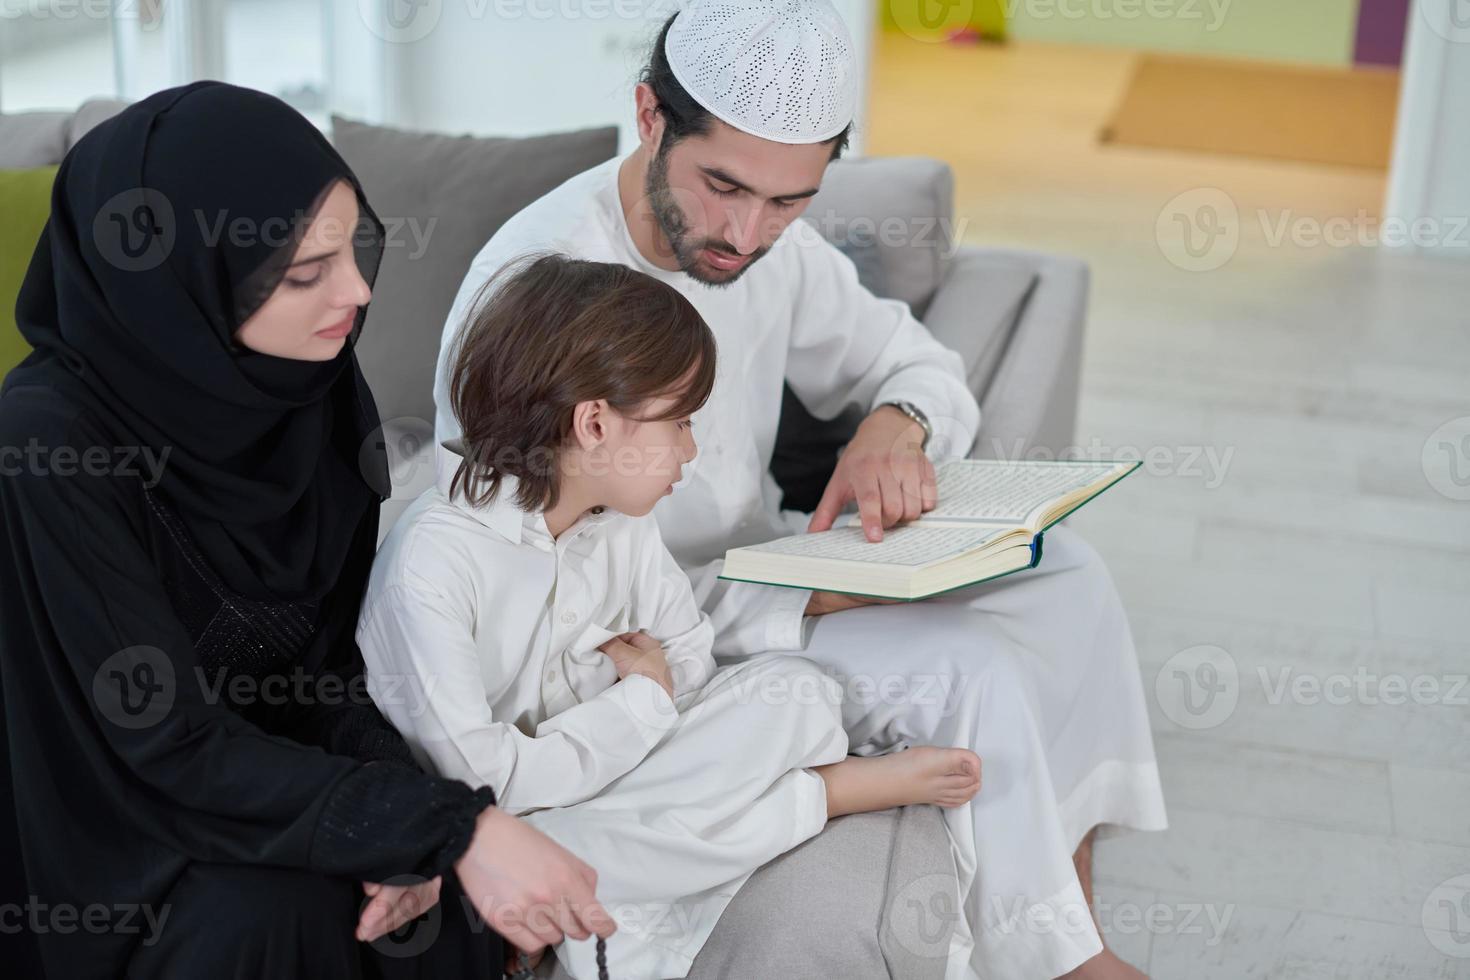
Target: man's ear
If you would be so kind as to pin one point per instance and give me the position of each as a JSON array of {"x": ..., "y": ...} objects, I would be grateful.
[
  {"x": 650, "y": 121},
  {"x": 589, "y": 424}
]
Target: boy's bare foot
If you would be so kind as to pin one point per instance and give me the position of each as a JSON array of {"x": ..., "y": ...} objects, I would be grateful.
[
  {"x": 1104, "y": 966},
  {"x": 924, "y": 774}
]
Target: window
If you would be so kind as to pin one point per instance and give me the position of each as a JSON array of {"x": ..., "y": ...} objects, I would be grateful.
[{"x": 56, "y": 54}]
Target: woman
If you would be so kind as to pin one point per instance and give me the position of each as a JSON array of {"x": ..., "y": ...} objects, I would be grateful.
[{"x": 188, "y": 510}]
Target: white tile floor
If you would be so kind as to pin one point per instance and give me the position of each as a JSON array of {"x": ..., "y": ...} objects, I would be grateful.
[{"x": 1310, "y": 568}]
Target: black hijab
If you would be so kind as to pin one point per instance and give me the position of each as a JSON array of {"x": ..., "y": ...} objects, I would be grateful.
[{"x": 171, "y": 223}]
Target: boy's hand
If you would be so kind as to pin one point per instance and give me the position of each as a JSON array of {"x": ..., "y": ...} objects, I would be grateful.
[{"x": 639, "y": 653}]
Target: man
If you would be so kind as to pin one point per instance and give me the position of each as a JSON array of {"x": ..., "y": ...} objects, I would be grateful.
[{"x": 741, "y": 108}]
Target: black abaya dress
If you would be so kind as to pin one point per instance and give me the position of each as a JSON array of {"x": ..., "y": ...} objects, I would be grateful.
[{"x": 198, "y": 780}]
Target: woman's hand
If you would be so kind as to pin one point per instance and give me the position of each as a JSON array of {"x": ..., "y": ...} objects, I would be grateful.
[
  {"x": 639, "y": 653},
  {"x": 529, "y": 888},
  {"x": 391, "y": 906}
]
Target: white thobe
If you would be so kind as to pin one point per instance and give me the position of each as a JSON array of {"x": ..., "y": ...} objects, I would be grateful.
[
  {"x": 1036, "y": 672},
  {"x": 480, "y": 633}
]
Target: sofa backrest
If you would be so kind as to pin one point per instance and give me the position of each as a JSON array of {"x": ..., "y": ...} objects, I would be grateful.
[
  {"x": 41, "y": 139},
  {"x": 892, "y": 216},
  {"x": 441, "y": 198}
]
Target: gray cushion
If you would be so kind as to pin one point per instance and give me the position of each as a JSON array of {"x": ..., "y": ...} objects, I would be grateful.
[
  {"x": 91, "y": 112},
  {"x": 872, "y": 897},
  {"x": 40, "y": 139},
  {"x": 977, "y": 309},
  {"x": 32, "y": 139},
  {"x": 454, "y": 192},
  {"x": 891, "y": 216}
]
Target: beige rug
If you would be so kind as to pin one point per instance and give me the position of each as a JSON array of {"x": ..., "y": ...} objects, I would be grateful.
[{"x": 1255, "y": 108}]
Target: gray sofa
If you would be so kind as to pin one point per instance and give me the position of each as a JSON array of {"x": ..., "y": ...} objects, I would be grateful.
[{"x": 871, "y": 896}]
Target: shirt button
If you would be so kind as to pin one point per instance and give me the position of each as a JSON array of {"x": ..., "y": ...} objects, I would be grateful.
[{"x": 569, "y": 617}]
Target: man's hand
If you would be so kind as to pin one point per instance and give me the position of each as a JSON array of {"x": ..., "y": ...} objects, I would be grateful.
[
  {"x": 639, "y": 653},
  {"x": 885, "y": 468},
  {"x": 391, "y": 906},
  {"x": 822, "y": 603},
  {"x": 528, "y": 887}
]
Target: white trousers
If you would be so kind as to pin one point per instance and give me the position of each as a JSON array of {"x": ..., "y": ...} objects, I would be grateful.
[
  {"x": 728, "y": 789},
  {"x": 1037, "y": 673}
]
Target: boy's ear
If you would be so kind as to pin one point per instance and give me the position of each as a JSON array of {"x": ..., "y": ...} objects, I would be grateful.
[{"x": 589, "y": 424}]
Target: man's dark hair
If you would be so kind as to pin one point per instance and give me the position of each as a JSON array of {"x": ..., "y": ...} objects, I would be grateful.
[{"x": 683, "y": 116}]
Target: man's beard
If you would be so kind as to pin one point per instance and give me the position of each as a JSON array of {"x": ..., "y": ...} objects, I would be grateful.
[{"x": 675, "y": 228}]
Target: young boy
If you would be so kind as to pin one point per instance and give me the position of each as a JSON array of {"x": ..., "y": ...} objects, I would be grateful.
[{"x": 525, "y": 628}]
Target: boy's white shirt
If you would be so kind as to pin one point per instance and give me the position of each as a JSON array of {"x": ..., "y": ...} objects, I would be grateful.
[
  {"x": 798, "y": 314},
  {"x": 480, "y": 635}
]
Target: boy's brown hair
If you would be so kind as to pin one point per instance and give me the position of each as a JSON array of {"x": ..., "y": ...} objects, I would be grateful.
[{"x": 550, "y": 332}]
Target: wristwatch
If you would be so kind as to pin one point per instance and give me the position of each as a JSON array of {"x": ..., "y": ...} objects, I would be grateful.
[{"x": 912, "y": 411}]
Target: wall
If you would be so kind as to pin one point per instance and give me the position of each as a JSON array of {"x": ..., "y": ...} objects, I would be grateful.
[
  {"x": 1427, "y": 182},
  {"x": 517, "y": 67},
  {"x": 1317, "y": 31}
]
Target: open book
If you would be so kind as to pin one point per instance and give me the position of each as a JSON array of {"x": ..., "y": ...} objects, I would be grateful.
[{"x": 989, "y": 523}]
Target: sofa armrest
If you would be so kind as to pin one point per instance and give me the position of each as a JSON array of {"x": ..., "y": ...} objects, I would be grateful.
[{"x": 1025, "y": 377}]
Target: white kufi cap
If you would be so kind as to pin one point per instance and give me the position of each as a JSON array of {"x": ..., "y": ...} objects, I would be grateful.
[{"x": 778, "y": 69}]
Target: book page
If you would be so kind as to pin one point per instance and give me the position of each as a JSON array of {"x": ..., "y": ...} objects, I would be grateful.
[
  {"x": 1000, "y": 490},
  {"x": 908, "y": 544}
]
